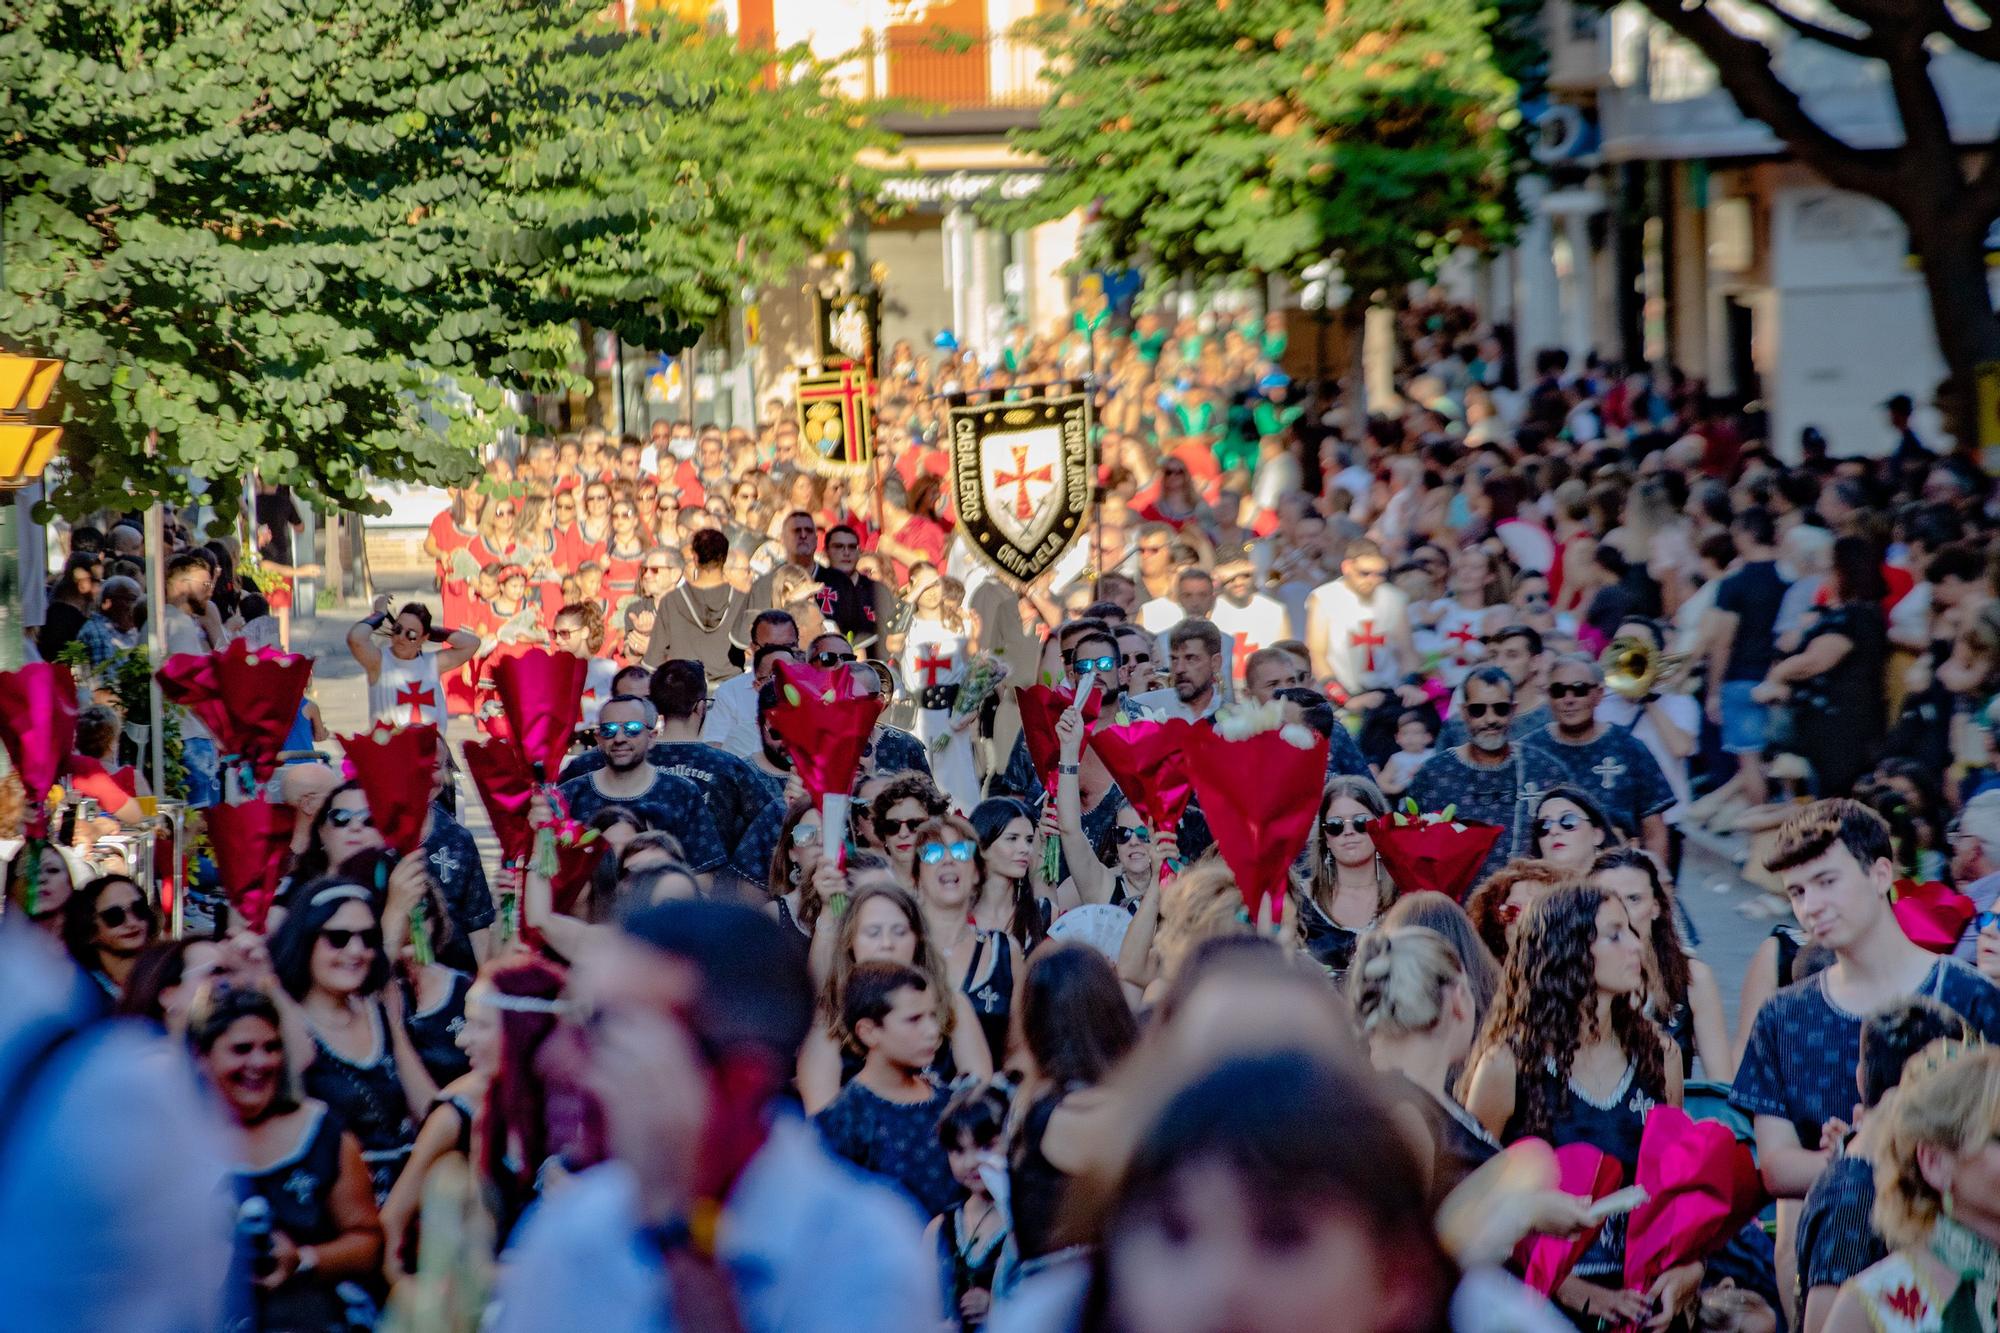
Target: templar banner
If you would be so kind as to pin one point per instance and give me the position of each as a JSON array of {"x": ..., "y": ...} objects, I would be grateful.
[
  {"x": 1023, "y": 473},
  {"x": 835, "y": 421}
]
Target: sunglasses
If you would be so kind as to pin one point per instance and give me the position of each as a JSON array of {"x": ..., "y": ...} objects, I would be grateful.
[
  {"x": 1339, "y": 827},
  {"x": 1567, "y": 823},
  {"x": 115, "y": 917},
  {"x": 1985, "y": 921},
  {"x": 1481, "y": 710},
  {"x": 608, "y": 731},
  {"x": 936, "y": 852},
  {"x": 1101, "y": 665},
  {"x": 338, "y": 940},
  {"x": 341, "y": 818},
  {"x": 1134, "y": 833},
  {"x": 1578, "y": 690},
  {"x": 826, "y": 660},
  {"x": 890, "y": 828}
]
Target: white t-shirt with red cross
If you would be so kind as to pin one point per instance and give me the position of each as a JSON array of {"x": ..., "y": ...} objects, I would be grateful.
[
  {"x": 1356, "y": 637},
  {"x": 1258, "y": 623},
  {"x": 1457, "y": 640}
]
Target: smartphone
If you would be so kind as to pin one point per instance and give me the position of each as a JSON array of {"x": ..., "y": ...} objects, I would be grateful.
[{"x": 1618, "y": 1202}]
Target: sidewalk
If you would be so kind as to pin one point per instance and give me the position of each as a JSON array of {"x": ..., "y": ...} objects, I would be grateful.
[{"x": 341, "y": 690}]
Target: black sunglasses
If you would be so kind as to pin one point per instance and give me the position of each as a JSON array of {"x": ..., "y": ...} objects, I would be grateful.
[
  {"x": 1134, "y": 833},
  {"x": 1576, "y": 690},
  {"x": 341, "y": 818},
  {"x": 891, "y": 827},
  {"x": 830, "y": 660},
  {"x": 1336, "y": 827},
  {"x": 340, "y": 939},
  {"x": 1498, "y": 710},
  {"x": 115, "y": 917},
  {"x": 1568, "y": 823}
]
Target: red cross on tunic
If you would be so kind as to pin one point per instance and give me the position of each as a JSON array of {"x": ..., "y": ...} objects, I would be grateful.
[
  {"x": 827, "y": 599},
  {"x": 1463, "y": 637},
  {"x": 1367, "y": 638},
  {"x": 931, "y": 665},
  {"x": 417, "y": 700},
  {"x": 1020, "y": 477},
  {"x": 1240, "y": 649}
]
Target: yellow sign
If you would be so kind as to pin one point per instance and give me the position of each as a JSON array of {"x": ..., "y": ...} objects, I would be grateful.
[{"x": 1986, "y": 385}]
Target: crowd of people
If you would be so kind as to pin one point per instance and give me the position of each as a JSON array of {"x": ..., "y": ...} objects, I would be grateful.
[{"x": 1012, "y": 1057}]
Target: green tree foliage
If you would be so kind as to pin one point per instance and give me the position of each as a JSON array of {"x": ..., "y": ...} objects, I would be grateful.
[
  {"x": 318, "y": 237},
  {"x": 1211, "y": 137}
]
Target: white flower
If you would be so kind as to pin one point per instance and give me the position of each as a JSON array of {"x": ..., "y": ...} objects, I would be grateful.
[{"x": 1299, "y": 734}]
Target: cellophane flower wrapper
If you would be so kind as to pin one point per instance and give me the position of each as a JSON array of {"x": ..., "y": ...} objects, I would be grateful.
[
  {"x": 983, "y": 678},
  {"x": 824, "y": 719},
  {"x": 1040, "y": 706},
  {"x": 194, "y": 682},
  {"x": 395, "y": 767},
  {"x": 1589, "y": 1173},
  {"x": 542, "y": 695},
  {"x": 249, "y": 841},
  {"x": 1425, "y": 856},
  {"x": 1149, "y": 762},
  {"x": 506, "y": 788},
  {"x": 1260, "y": 795},
  {"x": 1933, "y": 915},
  {"x": 1703, "y": 1186},
  {"x": 38, "y": 726},
  {"x": 578, "y": 850},
  {"x": 263, "y": 689}
]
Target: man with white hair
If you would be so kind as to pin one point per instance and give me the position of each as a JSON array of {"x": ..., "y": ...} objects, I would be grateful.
[{"x": 1975, "y": 862}]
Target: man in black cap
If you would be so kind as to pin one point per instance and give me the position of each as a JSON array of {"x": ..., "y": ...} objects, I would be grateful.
[{"x": 720, "y": 1209}]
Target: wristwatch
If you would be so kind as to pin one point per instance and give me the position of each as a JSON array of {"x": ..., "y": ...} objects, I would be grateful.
[
  {"x": 308, "y": 1260},
  {"x": 1069, "y": 770}
]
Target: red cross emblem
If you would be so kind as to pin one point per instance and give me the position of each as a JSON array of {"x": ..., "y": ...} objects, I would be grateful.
[
  {"x": 416, "y": 700},
  {"x": 1367, "y": 638},
  {"x": 1019, "y": 478},
  {"x": 931, "y": 665},
  {"x": 1464, "y": 638},
  {"x": 827, "y": 599},
  {"x": 1240, "y": 649}
]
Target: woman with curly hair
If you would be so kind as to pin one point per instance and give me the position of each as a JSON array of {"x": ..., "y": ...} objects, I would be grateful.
[
  {"x": 1682, "y": 996},
  {"x": 883, "y": 924},
  {"x": 902, "y": 807},
  {"x": 1505, "y": 896},
  {"x": 1569, "y": 1056},
  {"x": 1937, "y": 1200}
]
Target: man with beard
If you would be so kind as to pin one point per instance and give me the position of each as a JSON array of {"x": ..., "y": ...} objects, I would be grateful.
[
  {"x": 1194, "y": 660},
  {"x": 1247, "y": 618},
  {"x": 800, "y": 540},
  {"x": 667, "y": 803},
  {"x": 855, "y": 604},
  {"x": 1490, "y": 779},
  {"x": 1611, "y": 764},
  {"x": 731, "y": 723},
  {"x": 1517, "y": 650},
  {"x": 890, "y": 749},
  {"x": 1358, "y": 631},
  {"x": 735, "y": 791}
]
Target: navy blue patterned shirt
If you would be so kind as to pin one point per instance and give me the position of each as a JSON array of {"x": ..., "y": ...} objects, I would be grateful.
[
  {"x": 671, "y": 805},
  {"x": 1804, "y": 1049},
  {"x": 1836, "y": 1230},
  {"x": 896, "y": 1140},
  {"x": 1616, "y": 771}
]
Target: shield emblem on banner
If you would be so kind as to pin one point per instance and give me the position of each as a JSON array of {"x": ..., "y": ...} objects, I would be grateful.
[{"x": 1022, "y": 475}]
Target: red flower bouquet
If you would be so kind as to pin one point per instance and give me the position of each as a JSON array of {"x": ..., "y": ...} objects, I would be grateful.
[
  {"x": 38, "y": 727},
  {"x": 825, "y": 719},
  {"x": 542, "y": 693},
  {"x": 1589, "y": 1173},
  {"x": 1933, "y": 915},
  {"x": 192, "y": 681},
  {"x": 1259, "y": 782},
  {"x": 1041, "y": 706},
  {"x": 1703, "y": 1186},
  {"x": 250, "y": 840},
  {"x": 1432, "y": 852},
  {"x": 578, "y": 850},
  {"x": 506, "y": 788},
  {"x": 1148, "y": 761},
  {"x": 395, "y": 767},
  {"x": 264, "y": 690}
]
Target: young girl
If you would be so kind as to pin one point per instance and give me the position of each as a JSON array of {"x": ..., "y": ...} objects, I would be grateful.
[{"x": 970, "y": 1235}]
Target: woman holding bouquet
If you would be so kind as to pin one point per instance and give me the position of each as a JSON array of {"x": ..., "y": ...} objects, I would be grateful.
[
  {"x": 1123, "y": 866},
  {"x": 938, "y": 647},
  {"x": 1569, "y": 1056},
  {"x": 1349, "y": 887}
]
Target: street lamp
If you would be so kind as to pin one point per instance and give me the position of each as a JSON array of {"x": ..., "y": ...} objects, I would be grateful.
[{"x": 26, "y": 446}]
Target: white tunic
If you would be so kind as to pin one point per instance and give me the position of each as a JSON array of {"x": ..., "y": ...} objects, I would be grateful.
[
  {"x": 1258, "y": 623},
  {"x": 407, "y": 693},
  {"x": 597, "y": 687},
  {"x": 1459, "y": 643},
  {"x": 1356, "y": 638},
  {"x": 934, "y": 655}
]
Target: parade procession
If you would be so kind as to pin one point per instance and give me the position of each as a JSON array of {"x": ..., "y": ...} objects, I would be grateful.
[{"x": 1095, "y": 666}]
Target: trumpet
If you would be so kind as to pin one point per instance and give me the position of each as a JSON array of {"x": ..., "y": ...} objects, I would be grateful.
[{"x": 1633, "y": 668}]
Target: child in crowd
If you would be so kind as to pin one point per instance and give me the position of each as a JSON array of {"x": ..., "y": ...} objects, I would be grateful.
[
  {"x": 885, "y": 1119},
  {"x": 970, "y": 1236},
  {"x": 1416, "y": 742}
]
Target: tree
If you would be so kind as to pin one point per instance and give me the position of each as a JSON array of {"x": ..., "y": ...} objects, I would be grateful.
[
  {"x": 1222, "y": 136},
  {"x": 272, "y": 233},
  {"x": 1946, "y": 195}
]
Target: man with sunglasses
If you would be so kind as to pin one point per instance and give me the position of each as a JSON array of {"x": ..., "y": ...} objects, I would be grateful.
[
  {"x": 405, "y": 686},
  {"x": 1358, "y": 632},
  {"x": 890, "y": 749},
  {"x": 731, "y": 723},
  {"x": 694, "y": 1013},
  {"x": 1517, "y": 650},
  {"x": 669, "y": 804},
  {"x": 1491, "y": 778},
  {"x": 1611, "y": 764},
  {"x": 799, "y": 537}
]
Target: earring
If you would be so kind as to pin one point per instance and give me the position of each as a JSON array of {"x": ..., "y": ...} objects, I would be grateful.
[{"x": 1949, "y": 1210}]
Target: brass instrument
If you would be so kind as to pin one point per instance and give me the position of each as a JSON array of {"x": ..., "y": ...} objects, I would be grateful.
[{"x": 1633, "y": 668}]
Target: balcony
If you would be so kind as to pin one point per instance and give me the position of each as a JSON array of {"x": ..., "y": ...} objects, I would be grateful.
[{"x": 955, "y": 82}]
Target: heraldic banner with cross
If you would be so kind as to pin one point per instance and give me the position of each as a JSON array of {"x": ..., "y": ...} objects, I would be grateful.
[
  {"x": 836, "y": 422},
  {"x": 1022, "y": 476}
]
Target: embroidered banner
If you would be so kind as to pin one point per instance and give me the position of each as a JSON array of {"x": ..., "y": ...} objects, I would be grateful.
[{"x": 1023, "y": 473}]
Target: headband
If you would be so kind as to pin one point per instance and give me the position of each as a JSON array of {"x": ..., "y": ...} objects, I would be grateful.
[
  {"x": 340, "y": 893},
  {"x": 523, "y": 1004}
]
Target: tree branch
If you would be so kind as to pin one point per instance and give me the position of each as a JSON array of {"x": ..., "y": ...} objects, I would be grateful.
[
  {"x": 1982, "y": 197},
  {"x": 1825, "y": 36},
  {"x": 1982, "y": 42},
  {"x": 1745, "y": 69}
]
